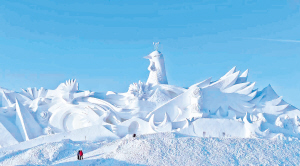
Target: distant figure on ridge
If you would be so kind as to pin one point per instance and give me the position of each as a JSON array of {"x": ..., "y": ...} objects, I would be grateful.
[
  {"x": 80, "y": 155},
  {"x": 134, "y": 135}
]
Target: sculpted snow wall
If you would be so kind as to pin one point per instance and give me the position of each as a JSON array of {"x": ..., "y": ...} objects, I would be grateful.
[{"x": 227, "y": 107}]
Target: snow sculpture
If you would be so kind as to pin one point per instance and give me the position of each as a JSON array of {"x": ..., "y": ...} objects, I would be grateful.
[
  {"x": 42, "y": 117},
  {"x": 28, "y": 127},
  {"x": 33, "y": 93},
  {"x": 67, "y": 91},
  {"x": 227, "y": 107},
  {"x": 164, "y": 126},
  {"x": 157, "y": 68},
  {"x": 196, "y": 102},
  {"x": 225, "y": 93},
  {"x": 48, "y": 131},
  {"x": 133, "y": 127},
  {"x": 159, "y": 97},
  {"x": 6, "y": 137},
  {"x": 139, "y": 90},
  {"x": 68, "y": 86}
]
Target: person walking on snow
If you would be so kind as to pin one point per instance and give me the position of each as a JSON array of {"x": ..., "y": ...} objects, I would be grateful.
[{"x": 80, "y": 155}]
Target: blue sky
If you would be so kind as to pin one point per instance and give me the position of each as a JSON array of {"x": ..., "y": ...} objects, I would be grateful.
[{"x": 101, "y": 43}]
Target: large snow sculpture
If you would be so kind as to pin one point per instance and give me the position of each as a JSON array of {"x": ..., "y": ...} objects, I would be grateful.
[
  {"x": 227, "y": 94},
  {"x": 157, "y": 69},
  {"x": 227, "y": 107}
]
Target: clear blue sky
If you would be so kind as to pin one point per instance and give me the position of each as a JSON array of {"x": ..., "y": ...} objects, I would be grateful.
[{"x": 101, "y": 43}]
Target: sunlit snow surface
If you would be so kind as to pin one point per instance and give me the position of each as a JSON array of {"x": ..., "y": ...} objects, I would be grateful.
[
  {"x": 227, "y": 107},
  {"x": 160, "y": 149}
]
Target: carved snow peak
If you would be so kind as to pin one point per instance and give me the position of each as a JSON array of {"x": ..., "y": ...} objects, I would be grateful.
[
  {"x": 231, "y": 71},
  {"x": 159, "y": 97},
  {"x": 34, "y": 93},
  {"x": 69, "y": 86}
]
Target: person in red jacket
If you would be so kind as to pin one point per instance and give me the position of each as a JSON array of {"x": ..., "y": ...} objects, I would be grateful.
[{"x": 80, "y": 155}]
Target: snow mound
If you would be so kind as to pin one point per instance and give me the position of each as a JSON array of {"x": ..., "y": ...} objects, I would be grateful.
[{"x": 161, "y": 149}]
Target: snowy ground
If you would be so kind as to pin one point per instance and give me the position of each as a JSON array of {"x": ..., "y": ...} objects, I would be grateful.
[{"x": 160, "y": 149}]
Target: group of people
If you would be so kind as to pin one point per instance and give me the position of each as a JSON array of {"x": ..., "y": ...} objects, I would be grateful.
[{"x": 80, "y": 153}]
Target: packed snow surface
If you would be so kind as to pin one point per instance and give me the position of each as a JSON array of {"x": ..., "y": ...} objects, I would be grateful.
[
  {"x": 161, "y": 149},
  {"x": 228, "y": 107}
]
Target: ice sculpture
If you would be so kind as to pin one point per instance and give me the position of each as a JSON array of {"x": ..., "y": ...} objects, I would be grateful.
[{"x": 227, "y": 107}]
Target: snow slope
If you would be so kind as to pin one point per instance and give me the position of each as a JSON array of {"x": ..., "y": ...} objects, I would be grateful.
[{"x": 161, "y": 149}]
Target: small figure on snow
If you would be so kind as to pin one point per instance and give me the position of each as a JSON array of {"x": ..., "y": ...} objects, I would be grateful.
[
  {"x": 134, "y": 135},
  {"x": 80, "y": 155}
]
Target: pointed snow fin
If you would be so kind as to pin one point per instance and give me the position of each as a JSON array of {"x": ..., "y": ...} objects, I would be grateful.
[
  {"x": 27, "y": 125},
  {"x": 34, "y": 92},
  {"x": 235, "y": 87},
  {"x": 250, "y": 96},
  {"x": 230, "y": 80},
  {"x": 246, "y": 118},
  {"x": 245, "y": 73},
  {"x": 231, "y": 71},
  {"x": 247, "y": 90},
  {"x": 279, "y": 108},
  {"x": 257, "y": 99},
  {"x": 202, "y": 83},
  {"x": 5, "y": 100},
  {"x": 247, "y": 104},
  {"x": 20, "y": 122},
  {"x": 276, "y": 101},
  {"x": 225, "y": 82},
  {"x": 243, "y": 77}
]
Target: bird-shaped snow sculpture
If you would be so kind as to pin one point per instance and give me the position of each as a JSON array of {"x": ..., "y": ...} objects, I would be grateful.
[
  {"x": 229, "y": 92},
  {"x": 157, "y": 69},
  {"x": 215, "y": 98}
]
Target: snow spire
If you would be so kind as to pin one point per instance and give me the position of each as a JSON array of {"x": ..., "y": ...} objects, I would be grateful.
[
  {"x": 157, "y": 69},
  {"x": 26, "y": 123}
]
